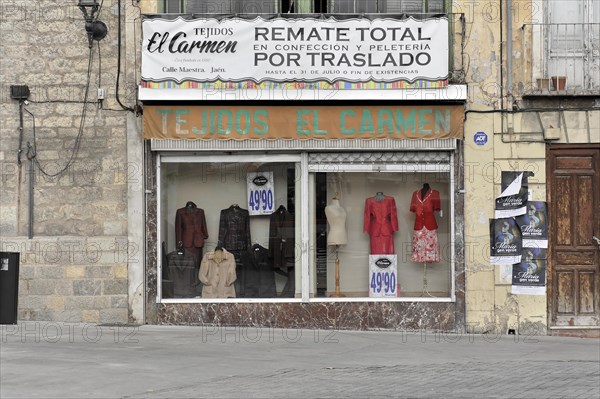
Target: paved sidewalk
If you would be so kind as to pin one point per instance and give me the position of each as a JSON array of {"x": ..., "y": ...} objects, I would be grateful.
[{"x": 58, "y": 360}]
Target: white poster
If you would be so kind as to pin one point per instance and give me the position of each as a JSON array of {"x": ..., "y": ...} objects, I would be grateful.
[
  {"x": 385, "y": 49},
  {"x": 383, "y": 276},
  {"x": 261, "y": 195}
]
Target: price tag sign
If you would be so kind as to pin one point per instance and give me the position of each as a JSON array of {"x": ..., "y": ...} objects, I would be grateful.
[
  {"x": 261, "y": 198},
  {"x": 383, "y": 276}
]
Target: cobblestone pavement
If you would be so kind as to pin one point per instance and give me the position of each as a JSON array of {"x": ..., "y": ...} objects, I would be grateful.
[{"x": 57, "y": 360}]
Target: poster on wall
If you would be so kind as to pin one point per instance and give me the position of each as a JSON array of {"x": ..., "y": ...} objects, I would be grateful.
[
  {"x": 505, "y": 241},
  {"x": 383, "y": 276},
  {"x": 534, "y": 225},
  {"x": 302, "y": 49},
  {"x": 261, "y": 195},
  {"x": 535, "y": 253},
  {"x": 529, "y": 277},
  {"x": 513, "y": 199}
]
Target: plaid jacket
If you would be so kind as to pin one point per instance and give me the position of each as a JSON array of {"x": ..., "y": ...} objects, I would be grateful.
[{"x": 234, "y": 229}]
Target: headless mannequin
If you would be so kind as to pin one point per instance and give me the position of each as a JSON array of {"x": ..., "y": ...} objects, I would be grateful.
[
  {"x": 190, "y": 234},
  {"x": 424, "y": 192},
  {"x": 336, "y": 217}
]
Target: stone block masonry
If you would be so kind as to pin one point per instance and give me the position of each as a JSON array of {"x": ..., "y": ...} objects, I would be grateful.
[
  {"x": 75, "y": 268},
  {"x": 73, "y": 279}
]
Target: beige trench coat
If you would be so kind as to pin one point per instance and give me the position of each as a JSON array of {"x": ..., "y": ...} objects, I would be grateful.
[{"x": 217, "y": 276}]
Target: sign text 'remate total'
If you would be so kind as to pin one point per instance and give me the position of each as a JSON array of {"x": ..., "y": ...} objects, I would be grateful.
[{"x": 305, "y": 49}]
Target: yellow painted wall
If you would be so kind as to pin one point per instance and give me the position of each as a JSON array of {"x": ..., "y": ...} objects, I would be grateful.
[{"x": 490, "y": 305}]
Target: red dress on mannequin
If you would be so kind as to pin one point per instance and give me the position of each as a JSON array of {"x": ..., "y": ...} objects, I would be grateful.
[
  {"x": 425, "y": 246},
  {"x": 380, "y": 222}
]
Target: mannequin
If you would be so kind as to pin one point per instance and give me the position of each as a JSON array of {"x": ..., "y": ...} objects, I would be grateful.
[
  {"x": 217, "y": 274},
  {"x": 380, "y": 222},
  {"x": 234, "y": 235},
  {"x": 282, "y": 247},
  {"x": 190, "y": 233},
  {"x": 425, "y": 246},
  {"x": 336, "y": 217}
]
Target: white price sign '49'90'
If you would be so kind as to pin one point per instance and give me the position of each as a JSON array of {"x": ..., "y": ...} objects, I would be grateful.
[
  {"x": 383, "y": 276},
  {"x": 261, "y": 197}
]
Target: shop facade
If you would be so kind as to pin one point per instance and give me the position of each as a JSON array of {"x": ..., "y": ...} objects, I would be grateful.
[{"x": 314, "y": 203}]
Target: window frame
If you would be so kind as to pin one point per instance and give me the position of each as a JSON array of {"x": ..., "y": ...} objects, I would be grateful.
[{"x": 306, "y": 240}]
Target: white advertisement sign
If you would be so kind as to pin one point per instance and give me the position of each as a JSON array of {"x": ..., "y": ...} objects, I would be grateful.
[
  {"x": 383, "y": 276},
  {"x": 293, "y": 50},
  {"x": 260, "y": 193}
]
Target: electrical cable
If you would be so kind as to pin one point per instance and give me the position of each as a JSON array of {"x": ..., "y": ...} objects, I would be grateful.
[
  {"x": 98, "y": 99},
  {"x": 60, "y": 101},
  {"x": 119, "y": 59},
  {"x": 526, "y": 110},
  {"x": 77, "y": 143},
  {"x": 99, "y": 11},
  {"x": 99, "y": 66}
]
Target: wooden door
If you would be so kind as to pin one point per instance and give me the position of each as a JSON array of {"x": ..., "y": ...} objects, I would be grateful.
[{"x": 574, "y": 255}]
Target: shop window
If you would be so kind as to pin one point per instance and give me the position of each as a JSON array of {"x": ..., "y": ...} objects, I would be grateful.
[
  {"x": 229, "y": 230},
  {"x": 316, "y": 226},
  {"x": 362, "y": 218}
]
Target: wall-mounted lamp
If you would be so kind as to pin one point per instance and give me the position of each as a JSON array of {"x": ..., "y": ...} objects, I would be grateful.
[{"x": 95, "y": 29}]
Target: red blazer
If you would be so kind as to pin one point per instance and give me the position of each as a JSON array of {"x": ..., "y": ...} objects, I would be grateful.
[
  {"x": 424, "y": 208},
  {"x": 380, "y": 217},
  {"x": 190, "y": 227}
]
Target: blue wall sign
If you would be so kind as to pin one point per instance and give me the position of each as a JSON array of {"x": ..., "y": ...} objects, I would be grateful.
[{"x": 480, "y": 138}]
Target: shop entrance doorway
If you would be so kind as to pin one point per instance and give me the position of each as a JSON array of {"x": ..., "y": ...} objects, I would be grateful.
[{"x": 574, "y": 253}]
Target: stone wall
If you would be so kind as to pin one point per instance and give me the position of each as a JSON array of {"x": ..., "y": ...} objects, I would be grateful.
[{"x": 71, "y": 270}]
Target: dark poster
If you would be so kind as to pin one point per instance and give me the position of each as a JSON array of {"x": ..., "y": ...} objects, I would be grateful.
[
  {"x": 529, "y": 276},
  {"x": 534, "y": 225},
  {"x": 505, "y": 241}
]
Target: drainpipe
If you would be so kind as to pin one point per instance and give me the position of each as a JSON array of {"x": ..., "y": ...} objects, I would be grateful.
[
  {"x": 31, "y": 156},
  {"x": 509, "y": 51}
]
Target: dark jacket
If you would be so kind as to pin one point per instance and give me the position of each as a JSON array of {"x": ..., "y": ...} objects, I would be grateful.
[
  {"x": 259, "y": 281},
  {"x": 182, "y": 271},
  {"x": 234, "y": 229},
  {"x": 190, "y": 227},
  {"x": 282, "y": 238}
]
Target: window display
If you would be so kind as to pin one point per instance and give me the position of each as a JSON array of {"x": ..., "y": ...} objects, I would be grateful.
[
  {"x": 247, "y": 255},
  {"x": 367, "y": 234},
  {"x": 406, "y": 236}
]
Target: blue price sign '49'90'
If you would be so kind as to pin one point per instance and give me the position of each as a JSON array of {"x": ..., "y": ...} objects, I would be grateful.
[
  {"x": 261, "y": 197},
  {"x": 383, "y": 276}
]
